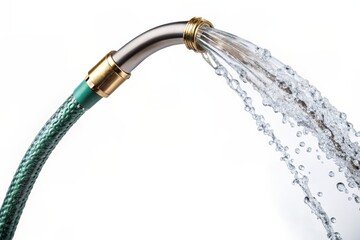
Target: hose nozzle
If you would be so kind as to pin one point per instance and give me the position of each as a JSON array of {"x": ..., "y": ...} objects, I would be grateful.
[{"x": 116, "y": 66}]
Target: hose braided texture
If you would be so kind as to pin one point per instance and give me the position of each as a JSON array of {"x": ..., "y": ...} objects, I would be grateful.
[{"x": 30, "y": 166}]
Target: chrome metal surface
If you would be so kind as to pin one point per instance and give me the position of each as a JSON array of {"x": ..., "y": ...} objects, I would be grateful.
[{"x": 134, "y": 52}]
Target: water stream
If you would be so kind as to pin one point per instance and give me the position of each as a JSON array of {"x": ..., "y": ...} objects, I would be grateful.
[{"x": 300, "y": 105}]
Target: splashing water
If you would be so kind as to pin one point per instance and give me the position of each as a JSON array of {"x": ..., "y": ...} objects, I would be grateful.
[{"x": 299, "y": 103}]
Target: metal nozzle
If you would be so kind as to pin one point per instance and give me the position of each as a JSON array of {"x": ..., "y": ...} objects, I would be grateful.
[{"x": 115, "y": 67}]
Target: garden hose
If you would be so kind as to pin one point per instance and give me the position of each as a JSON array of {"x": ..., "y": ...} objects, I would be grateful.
[{"x": 101, "y": 81}]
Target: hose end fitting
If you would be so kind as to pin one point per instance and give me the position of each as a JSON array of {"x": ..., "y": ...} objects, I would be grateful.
[
  {"x": 105, "y": 77},
  {"x": 191, "y": 30}
]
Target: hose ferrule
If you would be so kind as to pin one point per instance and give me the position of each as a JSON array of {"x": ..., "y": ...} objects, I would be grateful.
[{"x": 105, "y": 77}]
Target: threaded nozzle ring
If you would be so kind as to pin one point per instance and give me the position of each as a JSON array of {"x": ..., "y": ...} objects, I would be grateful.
[{"x": 191, "y": 30}]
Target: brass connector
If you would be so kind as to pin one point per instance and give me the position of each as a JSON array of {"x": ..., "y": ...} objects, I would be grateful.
[
  {"x": 191, "y": 30},
  {"x": 106, "y": 76}
]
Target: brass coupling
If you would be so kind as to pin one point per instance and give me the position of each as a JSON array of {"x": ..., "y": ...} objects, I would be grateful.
[
  {"x": 105, "y": 77},
  {"x": 191, "y": 30}
]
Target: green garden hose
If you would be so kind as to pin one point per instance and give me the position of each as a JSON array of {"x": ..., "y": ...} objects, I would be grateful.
[
  {"x": 40, "y": 149},
  {"x": 101, "y": 81}
]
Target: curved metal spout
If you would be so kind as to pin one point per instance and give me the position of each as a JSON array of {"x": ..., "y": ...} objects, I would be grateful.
[
  {"x": 134, "y": 52},
  {"x": 115, "y": 67}
]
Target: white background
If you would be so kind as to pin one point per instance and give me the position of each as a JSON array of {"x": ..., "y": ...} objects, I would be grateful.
[{"x": 171, "y": 154}]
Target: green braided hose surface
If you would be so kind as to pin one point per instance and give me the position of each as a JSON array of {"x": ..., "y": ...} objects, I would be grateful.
[{"x": 30, "y": 166}]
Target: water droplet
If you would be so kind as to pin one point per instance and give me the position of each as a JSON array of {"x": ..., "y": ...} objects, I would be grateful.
[
  {"x": 341, "y": 187},
  {"x": 320, "y": 194},
  {"x": 306, "y": 131},
  {"x": 242, "y": 74},
  {"x": 220, "y": 70},
  {"x": 357, "y": 134},
  {"x": 299, "y": 134},
  {"x": 301, "y": 167},
  {"x": 267, "y": 54},
  {"x": 247, "y": 108},
  {"x": 248, "y": 101},
  {"x": 318, "y": 157},
  {"x": 283, "y": 85},
  {"x": 302, "y": 144},
  {"x": 333, "y": 220},
  {"x": 241, "y": 93},
  {"x": 356, "y": 163},
  {"x": 352, "y": 184},
  {"x": 291, "y": 167},
  {"x": 331, "y": 174},
  {"x": 356, "y": 198},
  {"x": 337, "y": 236},
  {"x": 341, "y": 169},
  {"x": 309, "y": 149},
  {"x": 289, "y": 70},
  {"x": 328, "y": 133},
  {"x": 297, "y": 150},
  {"x": 343, "y": 116},
  {"x": 234, "y": 84},
  {"x": 284, "y": 119}
]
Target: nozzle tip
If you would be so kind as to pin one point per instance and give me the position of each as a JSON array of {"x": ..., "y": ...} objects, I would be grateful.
[{"x": 191, "y": 30}]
